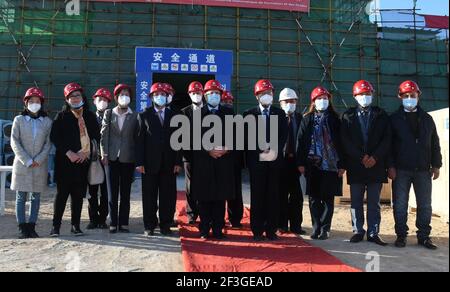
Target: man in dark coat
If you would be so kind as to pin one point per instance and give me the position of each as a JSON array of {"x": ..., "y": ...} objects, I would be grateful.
[
  {"x": 366, "y": 138},
  {"x": 415, "y": 159},
  {"x": 265, "y": 166},
  {"x": 195, "y": 91},
  {"x": 291, "y": 204},
  {"x": 157, "y": 162},
  {"x": 212, "y": 170}
]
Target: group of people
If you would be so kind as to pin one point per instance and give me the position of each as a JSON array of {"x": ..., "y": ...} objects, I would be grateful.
[{"x": 322, "y": 146}]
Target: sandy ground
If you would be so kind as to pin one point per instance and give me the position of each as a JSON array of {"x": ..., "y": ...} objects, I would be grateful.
[{"x": 100, "y": 251}]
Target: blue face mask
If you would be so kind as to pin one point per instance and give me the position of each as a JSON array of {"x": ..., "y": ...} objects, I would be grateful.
[
  {"x": 160, "y": 100},
  {"x": 213, "y": 99},
  {"x": 77, "y": 106},
  {"x": 409, "y": 104}
]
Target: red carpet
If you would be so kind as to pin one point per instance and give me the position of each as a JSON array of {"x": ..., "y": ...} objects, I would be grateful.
[{"x": 238, "y": 253}]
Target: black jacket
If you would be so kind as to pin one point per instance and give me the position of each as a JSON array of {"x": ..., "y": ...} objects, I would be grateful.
[
  {"x": 65, "y": 135},
  {"x": 378, "y": 146},
  {"x": 288, "y": 160},
  {"x": 414, "y": 153},
  {"x": 213, "y": 177},
  {"x": 153, "y": 150},
  {"x": 252, "y": 156}
]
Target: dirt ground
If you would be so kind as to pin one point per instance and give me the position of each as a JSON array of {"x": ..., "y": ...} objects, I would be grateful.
[{"x": 100, "y": 251}]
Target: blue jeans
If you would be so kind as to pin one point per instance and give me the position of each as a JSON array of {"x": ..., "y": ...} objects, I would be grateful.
[
  {"x": 357, "y": 192},
  {"x": 421, "y": 181},
  {"x": 21, "y": 199}
]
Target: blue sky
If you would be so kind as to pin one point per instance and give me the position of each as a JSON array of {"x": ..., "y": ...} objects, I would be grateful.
[{"x": 433, "y": 7}]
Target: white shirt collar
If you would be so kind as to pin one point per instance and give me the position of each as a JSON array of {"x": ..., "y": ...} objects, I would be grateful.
[
  {"x": 407, "y": 111},
  {"x": 116, "y": 111},
  {"x": 196, "y": 107},
  {"x": 213, "y": 108},
  {"x": 28, "y": 118},
  {"x": 263, "y": 108},
  {"x": 157, "y": 110}
]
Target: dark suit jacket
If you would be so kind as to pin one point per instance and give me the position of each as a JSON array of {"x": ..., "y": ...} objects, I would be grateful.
[
  {"x": 153, "y": 150},
  {"x": 252, "y": 156}
]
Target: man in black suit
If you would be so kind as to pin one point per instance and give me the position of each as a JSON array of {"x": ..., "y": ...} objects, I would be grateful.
[
  {"x": 265, "y": 165},
  {"x": 196, "y": 94},
  {"x": 158, "y": 163},
  {"x": 212, "y": 168},
  {"x": 291, "y": 203}
]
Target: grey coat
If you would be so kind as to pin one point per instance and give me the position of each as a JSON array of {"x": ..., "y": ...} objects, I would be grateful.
[
  {"x": 116, "y": 143},
  {"x": 27, "y": 150}
]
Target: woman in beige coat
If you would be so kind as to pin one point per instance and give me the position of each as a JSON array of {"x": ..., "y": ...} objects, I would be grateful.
[{"x": 30, "y": 141}]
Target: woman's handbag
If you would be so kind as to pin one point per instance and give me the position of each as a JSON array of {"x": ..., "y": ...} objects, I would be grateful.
[{"x": 96, "y": 174}]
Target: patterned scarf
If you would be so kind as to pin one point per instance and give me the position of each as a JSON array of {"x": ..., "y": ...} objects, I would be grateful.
[
  {"x": 322, "y": 151},
  {"x": 84, "y": 136}
]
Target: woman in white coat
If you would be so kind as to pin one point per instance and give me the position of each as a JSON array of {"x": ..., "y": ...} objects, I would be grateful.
[{"x": 30, "y": 141}]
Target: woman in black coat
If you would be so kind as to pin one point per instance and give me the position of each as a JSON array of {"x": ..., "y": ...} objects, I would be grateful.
[
  {"x": 319, "y": 158},
  {"x": 73, "y": 130}
]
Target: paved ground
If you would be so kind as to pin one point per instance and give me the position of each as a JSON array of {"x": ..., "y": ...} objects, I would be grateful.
[{"x": 100, "y": 251}]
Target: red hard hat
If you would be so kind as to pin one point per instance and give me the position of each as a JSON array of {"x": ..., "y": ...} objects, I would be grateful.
[
  {"x": 34, "y": 91},
  {"x": 319, "y": 91},
  {"x": 213, "y": 85},
  {"x": 121, "y": 87},
  {"x": 195, "y": 86},
  {"x": 169, "y": 89},
  {"x": 71, "y": 87},
  {"x": 103, "y": 92},
  {"x": 362, "y": 86},
  {"x": 157, "y": 87},
  {"x": 227, "y": 96},
  {"x": 263, "y": 85},
  {"x": 408, "y": 86}
]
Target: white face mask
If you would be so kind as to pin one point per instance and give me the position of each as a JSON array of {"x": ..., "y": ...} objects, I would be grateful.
[
  {"x": 169, "y": 99},
  {"x": 101, "y": 105},
  {"x": 124, "y": 100},
  {"x": 34, "y": 107},
  {"x": 266, "y": 100},
  {"x": 213, "y": 99},
  {"x": 410, "y": 104},
  {"x": 364, "y": 100},
  {"x": 322, "y": 104},
  {"x": 196, "y": 98},
  {"x": 289, "y": 108}
]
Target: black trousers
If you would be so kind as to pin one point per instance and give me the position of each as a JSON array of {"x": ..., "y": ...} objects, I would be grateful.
[
  {"x": 265, "y": 198},
  {"x": 162, "y": 187},
  {"x": 321, "y": 214},
  {"x": 98, "y": 205},
  {"x": 76, "y": 191},
  {"x": 235, "y": 207},
  {"x": 121, "y": 175},
  {"x": 212, "y": 215},
  {"x": 291, "y": 198},
  {"x": 191, "y": 204}
]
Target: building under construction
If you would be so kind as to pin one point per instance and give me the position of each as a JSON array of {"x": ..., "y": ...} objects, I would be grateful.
[{"x": 334, "y": 43}]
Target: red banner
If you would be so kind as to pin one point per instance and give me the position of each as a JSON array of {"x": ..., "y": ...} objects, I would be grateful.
[
  {"x": 435, "y": 21},
  {"x": 292, "y": 5}
]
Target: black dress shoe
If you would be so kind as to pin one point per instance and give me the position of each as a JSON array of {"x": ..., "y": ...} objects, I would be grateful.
[
  {"x": 258, "y": 238},
  {"x": 428, "y": 243},
  {"x": 32, "y": 230},
  {"x": 149, "y": 232},
  {"x": 400, "y": 242},
  {"x": 166, "y": 231},
  {"x": 55, "y": 232},
  {"x": 236, "y": 225},
  {"x": 219, "y": 236},
  {"x": 298, "y": 231},
  {"x": 123, "y": 230},
  {"x": 283, "y": 230},
  {"x": 112, "y": 229},
  {"x": 91, "y": 226},
  {"x": 314, "y": 236},
  {"x": 76, "y": 231},
  {"x": 357, "y": 238},
  {"x": 204, "y": 236},
  {"x": 377, "y": 240},
  {"x": 102, "y": 226},
  {"x": 272, "y": 236},
  {"x": 324, "y": 236}
]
